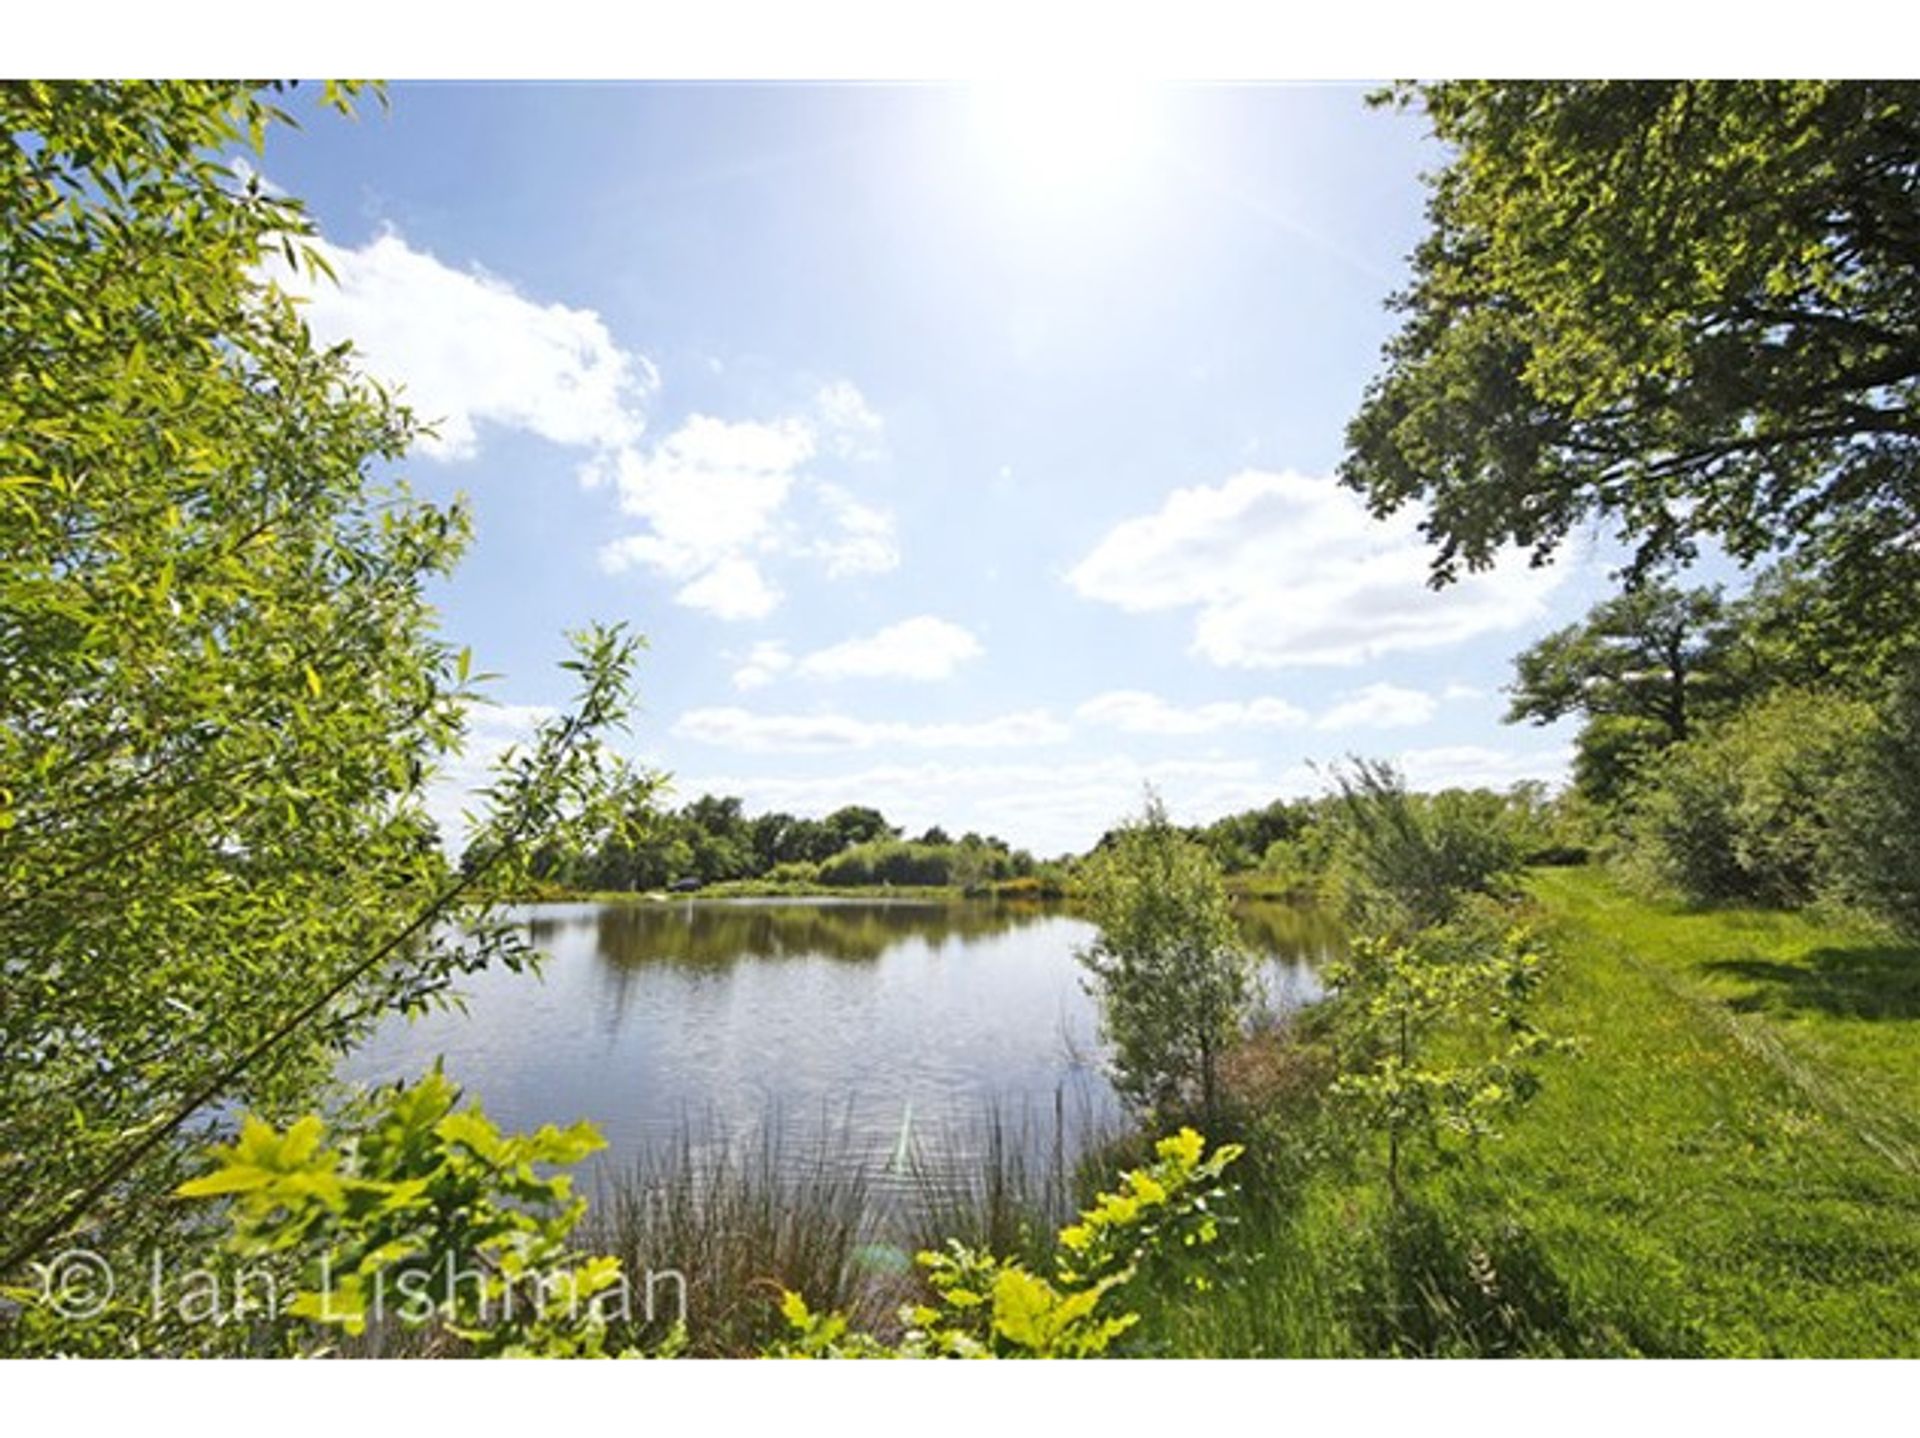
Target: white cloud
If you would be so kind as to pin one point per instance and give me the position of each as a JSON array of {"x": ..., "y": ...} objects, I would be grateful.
[
  {"x": 1136, "y": 712},
  {"x": 1461, "y": 691},
  {"x": 708, "y": 493},
  {"x": 716, "y": 498},
  {"x": 1377, "y": 706},
  {"x": 466, "y": 348},
  {"x": 732, "y": 589},
  {"x": 853, "y": 429},
  {"x": 796, "y": 733},
  {"x": 919, "y": 648},
  {"x": 861, "y": 540},
  {"x": 1285, "y": 569},
  {"x": 764, "y": 663},
  {"x": 1473, "y": 766},
  {"x": 717, "y": 495},
  {"x": 1380, "y": 706}
]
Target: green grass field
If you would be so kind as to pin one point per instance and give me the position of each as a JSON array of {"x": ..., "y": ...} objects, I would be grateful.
[{"x": 1729, "y": 1166}]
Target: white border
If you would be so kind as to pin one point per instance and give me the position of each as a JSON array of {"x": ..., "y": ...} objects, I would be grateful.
[{"x": 1236, "y": 40}]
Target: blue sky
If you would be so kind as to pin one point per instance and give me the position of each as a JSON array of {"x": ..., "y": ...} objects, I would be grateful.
[{"x": 964, "y": 452}]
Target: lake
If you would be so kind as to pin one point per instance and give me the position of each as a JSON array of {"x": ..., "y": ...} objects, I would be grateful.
[{"x": 879, "y": 1024}]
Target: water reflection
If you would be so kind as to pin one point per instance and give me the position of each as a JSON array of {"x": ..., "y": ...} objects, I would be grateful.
[
  {"x": 886, "y": 1021},
  {"x": 720, "y": 933}
]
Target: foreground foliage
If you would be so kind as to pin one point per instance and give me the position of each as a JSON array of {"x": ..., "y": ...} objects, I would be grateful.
[
  {"x": 425, "y": 1216},
  {"x": 987, "y": 1306},
  {"x": 225, "y": 698}
]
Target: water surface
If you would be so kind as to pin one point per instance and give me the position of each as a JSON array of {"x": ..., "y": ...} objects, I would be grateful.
[{"x": 881, "y": 1023}]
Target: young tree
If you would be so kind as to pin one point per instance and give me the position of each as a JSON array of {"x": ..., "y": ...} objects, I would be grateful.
[
  {"x": 1175, "y": 984},
  {"x": 1690, "y": 308},
  {"x": 224, "y": 695},
  {"x": 1434, "y": 1035}
]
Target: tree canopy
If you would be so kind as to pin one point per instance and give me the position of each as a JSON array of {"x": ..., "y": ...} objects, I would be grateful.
[{"x": 1690, "y": 309}]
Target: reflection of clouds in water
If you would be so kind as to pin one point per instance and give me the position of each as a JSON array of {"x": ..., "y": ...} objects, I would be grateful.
[{"x": 807, "y": 1017}]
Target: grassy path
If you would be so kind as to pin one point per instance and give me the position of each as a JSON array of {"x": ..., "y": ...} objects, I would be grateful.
[
  {"x": 1732, "y": 1164},
  {"x": 1729, "y": 1166}
]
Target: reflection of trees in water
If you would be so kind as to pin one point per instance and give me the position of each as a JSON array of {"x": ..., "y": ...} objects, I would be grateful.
[
  {"x": 710, "y": 934},
  {"x": 1291, "y": 932}
]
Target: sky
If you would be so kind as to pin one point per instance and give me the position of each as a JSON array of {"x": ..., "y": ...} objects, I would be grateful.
[{"x": 965, "y": 452}]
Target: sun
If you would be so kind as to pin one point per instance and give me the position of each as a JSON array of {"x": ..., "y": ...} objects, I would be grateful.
[{"x": 1065, "y": 140}]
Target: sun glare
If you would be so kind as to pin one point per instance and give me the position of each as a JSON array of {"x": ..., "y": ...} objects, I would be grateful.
[{"x": 1065, "y": 140}]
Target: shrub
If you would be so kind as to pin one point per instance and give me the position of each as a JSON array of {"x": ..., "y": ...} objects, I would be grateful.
[
  {"x": 986, "y": 1306},
  {"x": 1393, "y": 1002},
  {"x": 1299, "y": 865},
  {"x": 1405, "y": 861},
  {"x": 1755, "y": 808},
  {"x": 1876, "y": 853},
  {"x": 894, "y": 861}
]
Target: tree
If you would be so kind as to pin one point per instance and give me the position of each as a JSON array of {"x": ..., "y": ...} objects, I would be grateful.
[
  {"x": 856, "y": 824},
  {"x": 1690, "y": 308},
  {"x": 1239, "y": 841},
  {"x": 1641, "y": 669},
  {"x": 720, "y": 838},
  {"x": 1175, "y": 984},
  {"x": 224, "y": 695}
]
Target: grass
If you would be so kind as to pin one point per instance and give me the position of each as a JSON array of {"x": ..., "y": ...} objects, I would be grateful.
[
  {"x": 780, "y": 1208},
  {"x": 1730, "y": 1166}
]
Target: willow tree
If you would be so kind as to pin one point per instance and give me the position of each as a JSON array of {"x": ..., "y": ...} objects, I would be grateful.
[
  {"x": 221, "y": 691},
  {"x": 1688, "y": 310}
]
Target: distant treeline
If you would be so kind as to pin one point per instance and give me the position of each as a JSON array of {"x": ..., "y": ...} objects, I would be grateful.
[
  {"x": 1287, "y": 844},
  {"x": 713, "y": 840}
]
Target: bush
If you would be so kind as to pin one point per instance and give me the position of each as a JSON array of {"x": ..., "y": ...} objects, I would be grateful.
[
  {"x": 1754, "y": 809},
  {"x": 1299, "y": 865},
  {"x": 1405, "y": 861},
  {"x": 1876, "y": 854},
  {"x": 893, "y": 861},
  {"x": 1433, "y": 1036}
]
